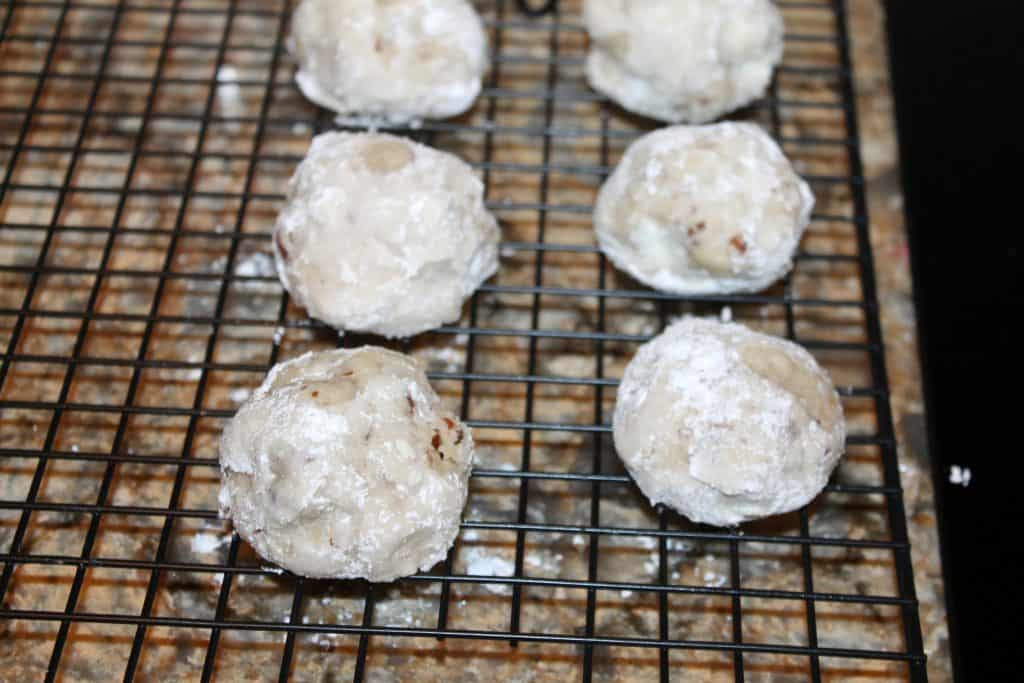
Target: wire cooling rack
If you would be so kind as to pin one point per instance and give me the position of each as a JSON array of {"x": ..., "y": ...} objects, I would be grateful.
[{"x": 145, "y": 146}]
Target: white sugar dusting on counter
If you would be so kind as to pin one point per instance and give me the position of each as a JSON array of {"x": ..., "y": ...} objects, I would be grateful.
[
  {"x": 478, "y": 563},
  {"x": 239, "y": 395},
  {"x": 207, "y": 543},
  {"x": 229, "y": 92}
]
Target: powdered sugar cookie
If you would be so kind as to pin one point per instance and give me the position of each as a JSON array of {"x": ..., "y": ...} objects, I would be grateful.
[
  {"x": 682, "y": 60},
  {"x": 344, "y": 464},
  {"x": 725, "y": 424},
  {"x": 390, "y": 60},
  {"x": 383, "y": 235},
  {"x": 703, "y": 210}
]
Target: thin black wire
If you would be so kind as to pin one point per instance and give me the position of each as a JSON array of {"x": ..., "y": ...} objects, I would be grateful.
[
  {"x": 359, "y": 672},
  {"x": 108, "y": 475},
  {"x": 426, "y": 126},
  {"x": 12, "y": 344},
  {"x": 595, "y": 486},
  {"x": 806, "y": 559},
  {"x": 48, "y": 444},
  {"x": 209, "y": 662},
  {"x": 535, "y": 311},
  {"x": 537, "y": 8},
  {"x": 574, "y": 292},
  {"x": 200, "y": 10},
  {"x": 474, "y": 304},
  {"x": 507, "y": 636},
  {"x": 465, "y": 377},
  {"x": 500, "y": 206},
  {"x": 737, "y": 611},
  {"x": 663, "y": 588},
  {"x": 883, "y": 411},
  {"x": 294, "y": 615},
  {"x": 663, "y": 656},
  {"x": 153, "y": 587},
  {"x": 548, "y": 96}
]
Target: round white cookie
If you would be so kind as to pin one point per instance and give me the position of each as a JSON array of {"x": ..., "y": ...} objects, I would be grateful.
[
  {"x": 383, "y": 235},
  {"x": 725, "y": 424},
  {"x": 344, "y": 464},
  {"x": 703, "y": 210},
  {"x": 682, "y": 60},
  {"x": 391, "y": 60}
]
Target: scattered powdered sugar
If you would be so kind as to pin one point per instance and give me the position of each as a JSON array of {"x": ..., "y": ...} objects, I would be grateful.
[
  {"x": 443, "y": 358},
  {"x": 480, "y": 563},
  {"x": 647, "y": 542},
  {"x": 372, "y": 124},
  {"x": 261, "y": 269},
  {"x": 239, "y": 395},
  {"x": 651, "y": 564},
  {"x": 483, "y": 565},
  {"x": 960, "y": 475},
  {"x": 229, "y": 92},
  {"x": 256, "y": 264},
  {"x": 207, "y": 543},
  {"x": 547, "y": 562},
  {"x": 681, "y": 545},
  {"x": 715, "y": 579}
]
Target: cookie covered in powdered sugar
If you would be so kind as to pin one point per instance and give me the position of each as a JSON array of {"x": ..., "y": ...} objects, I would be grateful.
[
  {"x": 703, "y": 210},
  {"x": 390, "y": 60},
  {"x": 725, "y": 424},
  {"x": 682, "y": 60},
  {"x": 380, "y": 234},
  {"x": 344, "y": 464}
]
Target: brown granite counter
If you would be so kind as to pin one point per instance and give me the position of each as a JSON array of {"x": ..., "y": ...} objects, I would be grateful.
[
  {"x": 895, "y": 294},
  {"x": 153, "y": 338}
]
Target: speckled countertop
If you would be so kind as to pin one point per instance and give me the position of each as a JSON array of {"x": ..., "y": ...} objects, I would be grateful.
[
  {"x": 175, "y": 346},
  {"x": 895, "y": 294}
]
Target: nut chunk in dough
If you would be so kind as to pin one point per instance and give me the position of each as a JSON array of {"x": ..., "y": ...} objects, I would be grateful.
[
  {"x": 725, "y": 424},
  {"x": 344, "y": 464},
  {"x": 390, "y": 60},
  {"x": 383, "y": 235},
  {"x": 703, "y": 210},
  {"x": 682, "y": 61}
]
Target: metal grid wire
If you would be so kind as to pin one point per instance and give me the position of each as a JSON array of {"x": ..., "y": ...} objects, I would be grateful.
[{"x": 144, "y": 148}]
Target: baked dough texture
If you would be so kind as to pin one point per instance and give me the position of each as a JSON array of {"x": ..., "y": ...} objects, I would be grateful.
[
  {"x": 703, "y": 210},
  {"x": 682, "y": 61},
  {"x": 725, "y": 424},
  {"x": 391, "y": 60},
  {"x": 383, "y": 235},
  {"x": 344, "y": 464}
]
